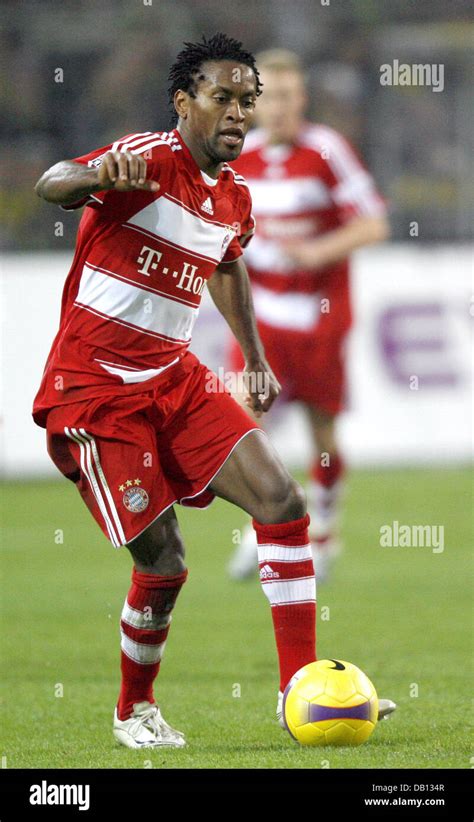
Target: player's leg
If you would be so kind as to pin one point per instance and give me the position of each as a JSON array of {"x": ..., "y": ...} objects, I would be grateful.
[
  {"x": 324, "y": 494},
  {"x": 243, "y": 563},
  {"x": 159, "y": 549},
  {"x": 325, "y": 488},
  {"x": 157, "y": 577},
  {"x": 158, "y": 574},
  {"x": 255, "y": 479},
  {"x": 115, "y": 466}
]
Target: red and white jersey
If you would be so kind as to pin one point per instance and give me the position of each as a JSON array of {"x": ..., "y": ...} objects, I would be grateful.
[
  {"x": 142, "y": 258},
  {"x": 298, "y": 192}
]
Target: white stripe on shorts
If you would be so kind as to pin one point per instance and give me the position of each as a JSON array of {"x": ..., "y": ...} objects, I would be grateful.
[
  {"x": 103, "y": 480},
  {"x": 86, "y": 465}
]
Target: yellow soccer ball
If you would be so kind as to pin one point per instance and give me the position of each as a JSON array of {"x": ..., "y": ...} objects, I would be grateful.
[{"x": 330, "y": 702}]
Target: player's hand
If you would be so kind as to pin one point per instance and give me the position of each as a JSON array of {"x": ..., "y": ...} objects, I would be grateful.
[
  {"x": 262, "y": 385},
  {"x": 124, "y": 171},
  {"x": 303, "y": 254}
]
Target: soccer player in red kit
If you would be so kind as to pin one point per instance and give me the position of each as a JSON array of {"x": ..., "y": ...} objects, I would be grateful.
[
  {"x": 132, "y": 417},
  {"x": 126, "y": 405},
  {"x": 314, "y": 203}
]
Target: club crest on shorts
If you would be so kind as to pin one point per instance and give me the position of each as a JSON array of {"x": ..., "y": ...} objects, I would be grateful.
[{"x": 135, "y": 498}]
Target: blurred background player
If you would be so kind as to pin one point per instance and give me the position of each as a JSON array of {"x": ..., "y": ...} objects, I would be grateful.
[{"x": 314, "y": 203}]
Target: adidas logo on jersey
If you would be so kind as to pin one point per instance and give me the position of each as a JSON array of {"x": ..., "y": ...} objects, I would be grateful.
[
  {"x": 207, "y": 206},
  {"x": 266, "y": 572}
]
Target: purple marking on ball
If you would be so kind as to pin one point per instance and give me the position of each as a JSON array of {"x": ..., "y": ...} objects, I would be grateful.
[
  {"x": 285, "y": 694},
  {"x": 319, "y": 713}
]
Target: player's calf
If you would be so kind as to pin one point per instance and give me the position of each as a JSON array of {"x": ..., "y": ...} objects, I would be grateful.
[{"x": 287, "y": 576}]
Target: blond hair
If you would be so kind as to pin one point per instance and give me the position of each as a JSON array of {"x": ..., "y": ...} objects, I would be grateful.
[{"x": 279, "y": 60}]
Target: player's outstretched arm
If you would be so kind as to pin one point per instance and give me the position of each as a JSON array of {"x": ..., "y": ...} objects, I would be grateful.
[
  {"x": 337, "y": 244},
  {"x": 230, "y": 290},
  {"x": 67, "y": 181}
]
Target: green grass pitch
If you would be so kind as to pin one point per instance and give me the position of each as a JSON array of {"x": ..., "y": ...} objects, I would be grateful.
[{"x": 401, "y": 614}]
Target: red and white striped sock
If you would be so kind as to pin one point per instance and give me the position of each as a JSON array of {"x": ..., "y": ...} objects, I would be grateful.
[
  {"x": 144, "y": 626},
  {"x": 287, "y": 575}
]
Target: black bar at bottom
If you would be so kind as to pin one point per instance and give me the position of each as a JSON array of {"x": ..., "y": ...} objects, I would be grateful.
[{"x": 375, "y": 794}]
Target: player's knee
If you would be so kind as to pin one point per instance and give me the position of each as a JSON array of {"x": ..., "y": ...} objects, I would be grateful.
[
  {"x": 296, "y": 503},
  {"x": 286, "y": 501},
  {"x": 158, "y": 553}
]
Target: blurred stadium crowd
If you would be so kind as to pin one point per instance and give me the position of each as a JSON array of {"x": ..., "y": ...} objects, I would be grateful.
[{"x": 115, "y": 56}]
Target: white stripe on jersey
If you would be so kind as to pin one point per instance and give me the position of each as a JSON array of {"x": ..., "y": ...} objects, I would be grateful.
[
  {"x": 134, "y": 306},
  {"x": 138, "y": 143},
  {"x": 339, "y": 157},
  {"x": 167, "y": 219},
  {"x": 131, "y": 140},
  {"x": 118, "y": 365},
  {"x": 267, "y": 255},
  {"x": 97, "y": 199},
  {"x": 164, "y": 242},
  {"x": 288, "y": 196},
  {"x": 287, "y": 309},
  {"x": 132, "y": 376},
  {"x": 346, "y": 167},
  {"x": 237, "y": 177},
  {"x": 146, "y": 287},
  {"x": 256, "y": 138},
  {"x": 151, "y": 145},
  {"x": 359, "y": 191},
  {"x": 198, "y": 214}
]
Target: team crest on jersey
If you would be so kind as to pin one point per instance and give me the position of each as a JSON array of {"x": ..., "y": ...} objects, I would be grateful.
[
  {"x": 135, "y": 498},
  {"x": 225, "y": 242}
]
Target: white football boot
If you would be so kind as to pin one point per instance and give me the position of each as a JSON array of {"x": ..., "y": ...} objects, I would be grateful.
[
  {"x": 386, "y": 707},
  {"x": 146, "y": 728},
  {"x": 324, "y": 555},
  {"x": 244, "y": 561}
]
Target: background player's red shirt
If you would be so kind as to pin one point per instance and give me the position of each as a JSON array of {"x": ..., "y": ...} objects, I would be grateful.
[
  {"x": 299, "y": 192},
  {"x": 142, "y": 258}
]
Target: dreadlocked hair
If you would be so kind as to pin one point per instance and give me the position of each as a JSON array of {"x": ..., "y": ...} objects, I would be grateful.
[{"x": 184, "y": 72}]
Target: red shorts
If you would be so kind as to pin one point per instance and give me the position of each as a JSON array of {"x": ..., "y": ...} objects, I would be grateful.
[
  {"x": 310, "y": 367},
  {"x": 133, "y": 456}
]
